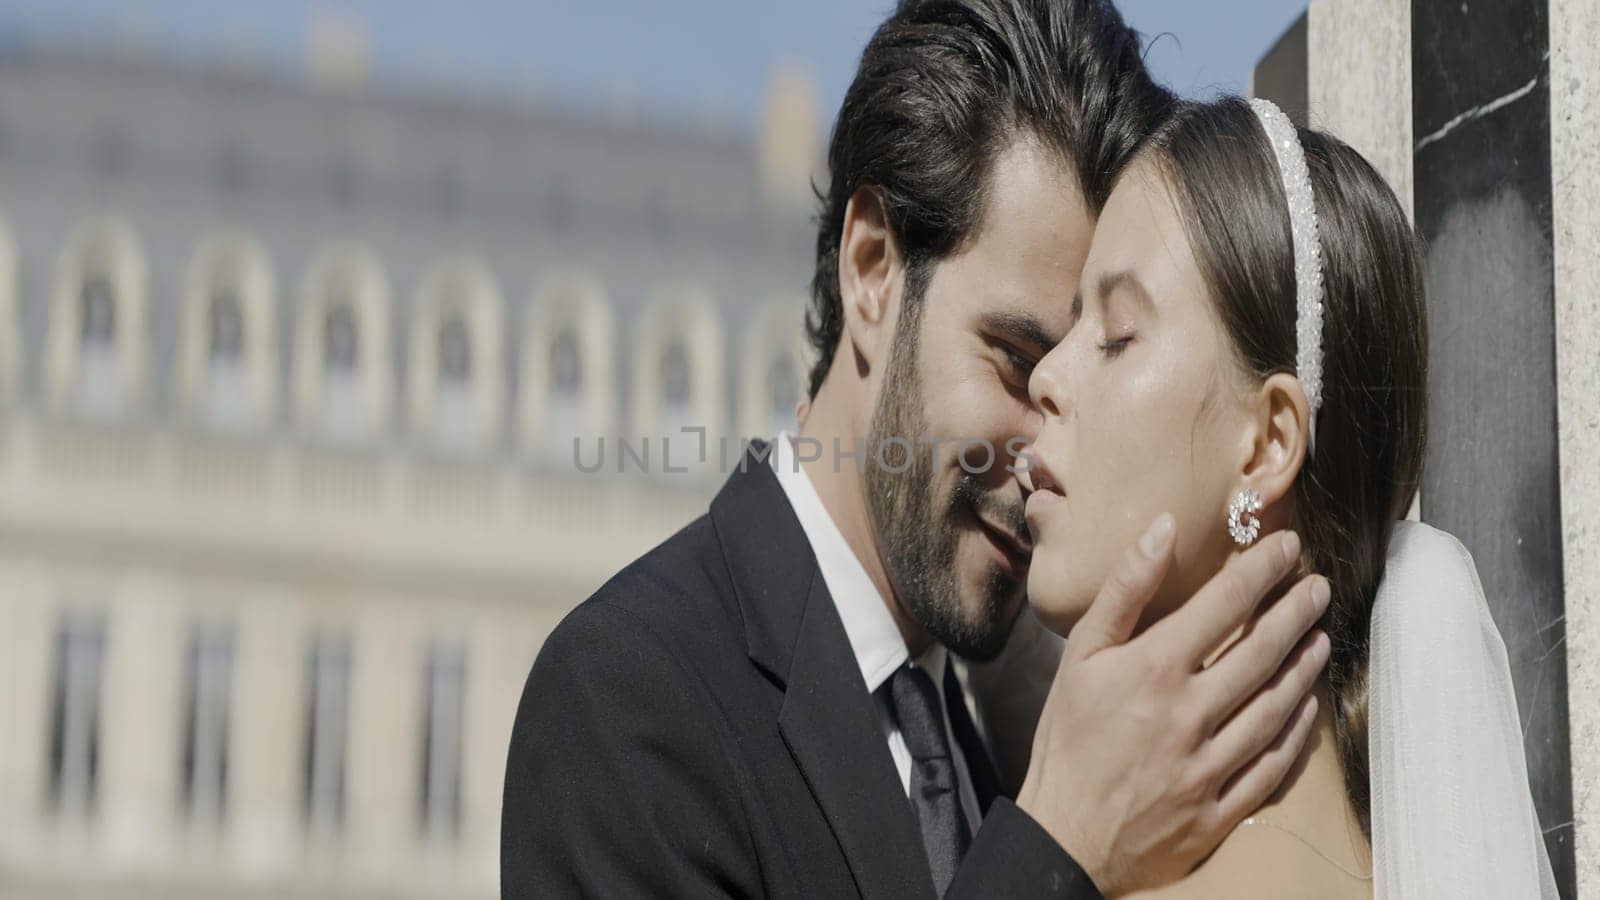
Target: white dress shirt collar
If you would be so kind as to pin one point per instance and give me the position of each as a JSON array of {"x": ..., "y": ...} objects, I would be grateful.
[
  {"x": 874, "y": 637},
  {"x": 873, "y": 634}
]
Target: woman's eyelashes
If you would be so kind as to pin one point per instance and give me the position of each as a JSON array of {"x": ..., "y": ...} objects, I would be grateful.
[{"x": 1113, "y": 347}]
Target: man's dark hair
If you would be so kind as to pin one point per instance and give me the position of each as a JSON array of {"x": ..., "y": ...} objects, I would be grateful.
[{"x": 943, "y": 87}]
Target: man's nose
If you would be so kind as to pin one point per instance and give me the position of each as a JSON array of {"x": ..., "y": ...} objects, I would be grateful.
[{"x": 1045, "y": 386}]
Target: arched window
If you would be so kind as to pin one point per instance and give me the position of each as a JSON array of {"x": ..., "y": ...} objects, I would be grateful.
[
  {"x": 342, "y": 401},
  {"x": 342, "y": 372},
  {"x": 566, "y": 414},
  {"x": 226, "y": 359},
  {"x": 566, "y": 365},
  {"x": 773, "y": 375},
  {"x": 226, "y": 317},
  {"x": 100, "y": 385},
  {"x": 676, "y": 389},
  {"x": 227, "y": 380},
  {"x": 567, "y": 378},
  {"x": 455, "y": 352},
  {"x": 96, "y": 363},
  {"x": 456, "y": 382},
  {"x": 455, "y": 415},
  {"x": 99, "y": 315},
  {"x": 678, "y": 383},
  {"x": 341, "y": 349}
]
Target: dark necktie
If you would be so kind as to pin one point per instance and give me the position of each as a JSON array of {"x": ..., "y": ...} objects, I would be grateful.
[{"x": 934, "y": 795}]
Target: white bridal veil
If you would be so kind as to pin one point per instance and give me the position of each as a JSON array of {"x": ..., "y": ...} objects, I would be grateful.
[{"x": 1452, "y": 813}]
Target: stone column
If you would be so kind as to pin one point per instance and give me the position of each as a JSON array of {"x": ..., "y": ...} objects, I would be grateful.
[
  {"x": 267, "y": 734},
  {"x": 141, "y": 723},
  {"x": 26, "y": 681},
  {"x": 1482, "y": 141},
  {"x": 1358, "y": 85},
  {"x": 383, "y": 755},
  {"x": 1575, "y": 195},
  {"x": 1481, "y": 116}
]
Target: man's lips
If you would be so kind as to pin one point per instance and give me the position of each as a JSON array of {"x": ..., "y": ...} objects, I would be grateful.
[{"x": 1016, "y": 550}]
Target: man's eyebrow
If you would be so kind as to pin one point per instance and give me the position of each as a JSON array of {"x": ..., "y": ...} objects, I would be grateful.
[
  {"x": 1022, "y": 328},
  {"x": 1123, "y": 278}
]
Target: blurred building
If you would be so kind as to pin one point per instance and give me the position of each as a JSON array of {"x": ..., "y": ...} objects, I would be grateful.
[{"x": 291, "y": 370}]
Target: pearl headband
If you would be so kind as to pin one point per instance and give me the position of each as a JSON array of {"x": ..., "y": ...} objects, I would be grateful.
[{"x": 1285, "y": 142}]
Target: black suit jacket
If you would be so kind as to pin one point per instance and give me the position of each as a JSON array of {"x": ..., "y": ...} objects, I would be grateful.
[{"x": 699, "y": 728}]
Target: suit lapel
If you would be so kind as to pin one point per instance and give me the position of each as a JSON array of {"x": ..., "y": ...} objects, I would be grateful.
[
  {"x": 827, "y": 720},
  {"x": 985, "y": 781},
  {"x": 833, "y": 733}
]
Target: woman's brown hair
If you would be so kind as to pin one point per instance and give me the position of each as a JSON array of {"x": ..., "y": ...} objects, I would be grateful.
[{"x": 1372, "y": 425}]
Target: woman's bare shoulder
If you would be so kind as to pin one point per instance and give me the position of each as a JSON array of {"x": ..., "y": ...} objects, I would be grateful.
[{"x": 1261, "y": 863}]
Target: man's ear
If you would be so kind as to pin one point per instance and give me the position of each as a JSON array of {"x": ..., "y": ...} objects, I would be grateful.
[
  {"x": 1281, "y": 421},
  {"x": 869, "y": 267}
]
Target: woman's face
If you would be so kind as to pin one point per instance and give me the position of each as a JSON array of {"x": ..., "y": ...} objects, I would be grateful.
[{"x": 1145, "y": 411}]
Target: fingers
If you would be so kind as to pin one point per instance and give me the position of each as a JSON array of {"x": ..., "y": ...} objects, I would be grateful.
[
  {"x": 1253, "y": 785},
  {"x": 1250, "y": 730},
  {"x": 1195, "y": 629},
  {"x": 1260, "y": 653},
  {"x": 1128, "y": 589}
]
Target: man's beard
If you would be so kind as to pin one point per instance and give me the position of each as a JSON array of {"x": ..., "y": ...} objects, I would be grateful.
[{"x": 919, "y": 541}]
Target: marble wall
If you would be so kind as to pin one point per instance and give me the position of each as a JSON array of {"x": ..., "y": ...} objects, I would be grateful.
[
  {"x": 1575, "y": 190},
  {"x": 1482, "y": 117},
  {"x": 1481, "y": 156}
]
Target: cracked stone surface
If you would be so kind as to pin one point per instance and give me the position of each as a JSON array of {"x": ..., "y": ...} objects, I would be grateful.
[
  {"x": 1481, "y": 119},
  {"x": 1575, "y": 188}
]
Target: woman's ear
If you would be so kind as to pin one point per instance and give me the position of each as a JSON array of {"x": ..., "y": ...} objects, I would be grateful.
[
  {"x": 1282, "y": 419},
  {"x": 869, "y": 266}
]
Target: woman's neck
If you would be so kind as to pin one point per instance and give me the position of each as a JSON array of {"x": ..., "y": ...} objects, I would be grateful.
[{"x": 1313, "y": 803}]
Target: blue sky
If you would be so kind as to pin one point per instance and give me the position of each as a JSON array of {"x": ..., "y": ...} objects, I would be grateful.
[{"x": 676, "y": 56}]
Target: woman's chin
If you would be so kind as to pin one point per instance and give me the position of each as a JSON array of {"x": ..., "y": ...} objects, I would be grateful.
[{"x": 1056, "y": 603}]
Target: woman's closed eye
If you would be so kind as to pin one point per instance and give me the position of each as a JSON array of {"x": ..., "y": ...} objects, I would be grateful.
[{"x": 1113, "y": 347}]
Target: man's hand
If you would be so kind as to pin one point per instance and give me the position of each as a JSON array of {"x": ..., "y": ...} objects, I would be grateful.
[{"x": 1145, "y": 759}]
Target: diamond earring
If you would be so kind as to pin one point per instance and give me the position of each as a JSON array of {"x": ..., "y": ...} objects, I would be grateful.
[{"x": 1244, "y": 519}]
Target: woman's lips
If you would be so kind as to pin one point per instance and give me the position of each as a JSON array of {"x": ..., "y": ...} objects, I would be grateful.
[{"x": 1039, "y": 503}]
